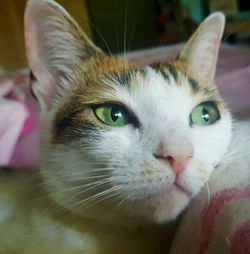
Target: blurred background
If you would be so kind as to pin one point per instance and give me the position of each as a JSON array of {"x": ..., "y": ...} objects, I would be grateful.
[{"x": 127, "y": 25}]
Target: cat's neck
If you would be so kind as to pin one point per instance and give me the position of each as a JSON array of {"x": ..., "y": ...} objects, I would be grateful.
[{"x": 24, "y": 192}]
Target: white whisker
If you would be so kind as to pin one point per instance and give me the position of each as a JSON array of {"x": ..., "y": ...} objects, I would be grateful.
[
  {"x": 89, "y": 201},
  {"x": 125, "y": 30},
  {"x": 208, "y": 193},
  {"x": 102, "y": 37}
]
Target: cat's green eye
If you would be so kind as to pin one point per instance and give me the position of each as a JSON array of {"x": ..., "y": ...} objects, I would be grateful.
[
  {"x": 205, "y": 114},
  {"x": 113, "y": 115}
]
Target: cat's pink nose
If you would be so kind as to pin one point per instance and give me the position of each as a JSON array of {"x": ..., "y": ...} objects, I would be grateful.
[{"x": 177, "y": 155}]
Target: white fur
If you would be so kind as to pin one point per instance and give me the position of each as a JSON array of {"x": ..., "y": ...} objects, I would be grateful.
[
  {"x": 143, "y": 184},
  {"x": 114, "y": 170},
  {"x": 110, "y": 174}
]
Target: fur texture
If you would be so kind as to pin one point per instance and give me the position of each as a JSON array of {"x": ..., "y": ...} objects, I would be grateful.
[{"x": 109, "y": 181}]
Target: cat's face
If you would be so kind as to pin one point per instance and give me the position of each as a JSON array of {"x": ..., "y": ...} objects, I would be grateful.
[{"x": 119, "y": 139}]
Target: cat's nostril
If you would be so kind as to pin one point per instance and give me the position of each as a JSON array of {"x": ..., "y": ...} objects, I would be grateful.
[
  {"x": 170, "y": 159},
  {"x": 177, "y": 163},
  {"x": 175, "y": 154},
  {"x": 161, "y": 157}
]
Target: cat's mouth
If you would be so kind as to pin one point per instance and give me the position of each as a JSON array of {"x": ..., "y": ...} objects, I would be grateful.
[
  {"x": 168, "y": 193},
  {"x": 176, "y": 185},
  {"x": 182, "y": 188}
]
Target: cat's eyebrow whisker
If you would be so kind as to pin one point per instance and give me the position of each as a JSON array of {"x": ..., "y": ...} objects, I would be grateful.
[
  {"x": 132, "y": 33},
  {"x": 101, "y": 36},
  {"x": 125, "y": 30},
  {"x": 235, "y": 30}
]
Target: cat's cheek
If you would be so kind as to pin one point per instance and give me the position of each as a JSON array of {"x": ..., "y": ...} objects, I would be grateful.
[
  {"x": 195, "y": 177},
  {"x": 118, "y": 142}
]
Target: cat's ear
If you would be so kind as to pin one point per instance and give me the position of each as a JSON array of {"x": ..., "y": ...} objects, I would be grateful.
[
  {"x": 55, "y": 46},
  {"x": 201, "y": 51}
]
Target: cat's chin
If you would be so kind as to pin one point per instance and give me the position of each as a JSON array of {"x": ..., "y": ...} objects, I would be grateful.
[
  {"x": 172, "y": 208},
  {"x": 158, "y": 209},
  {"x": 166, "y": 206}
]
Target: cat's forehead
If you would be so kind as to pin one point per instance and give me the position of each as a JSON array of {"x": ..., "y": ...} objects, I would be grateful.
[
  {"x": 110, "y": 79},
  {"x": 151, "y": 89},
  {"x": 161, "y": 91}
]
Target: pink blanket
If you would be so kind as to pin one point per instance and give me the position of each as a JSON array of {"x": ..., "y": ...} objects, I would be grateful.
[
  {"x": 19, "y": 122},
  {"x": 19, "y": 114},
  {"x": 218, "y": 218}
]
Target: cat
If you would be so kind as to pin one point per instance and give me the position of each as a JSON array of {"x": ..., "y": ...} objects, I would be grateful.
[{"x": 123, "y": 148}]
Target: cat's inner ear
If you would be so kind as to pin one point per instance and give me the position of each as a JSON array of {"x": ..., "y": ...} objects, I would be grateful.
[
  {"x": 55, "y": 46},
  {"x": 201, "y": 51}
]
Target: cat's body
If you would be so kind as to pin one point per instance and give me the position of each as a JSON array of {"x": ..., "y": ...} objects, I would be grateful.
[
  {"x": 123, "y": 148},
  {"x": 30, "y": 222}
]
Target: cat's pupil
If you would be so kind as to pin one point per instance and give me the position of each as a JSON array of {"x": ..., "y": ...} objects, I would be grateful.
[
  {"x": 115, "y": 114},
  {"x": 205, "y": 114}
]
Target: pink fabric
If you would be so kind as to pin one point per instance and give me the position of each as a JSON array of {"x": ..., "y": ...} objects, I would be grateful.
[
  {"x": 19, "y": 113},
  {"x": 235, "y": 87},
  {"x": 240, "y": 243},
  {"x": 221, "y": 225},
  {"x": 12, "y": 117},
  {"x": 209, "y": 216},
  {"x": 19, "y": 132}
]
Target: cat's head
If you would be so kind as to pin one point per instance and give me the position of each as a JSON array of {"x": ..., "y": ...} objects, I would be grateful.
[{"x": 118, "y": 139}]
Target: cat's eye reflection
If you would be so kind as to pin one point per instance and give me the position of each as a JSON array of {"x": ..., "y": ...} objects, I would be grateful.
[{"x": 205, "y": 113}]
